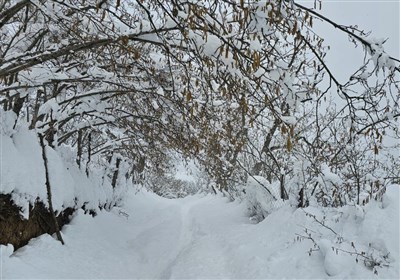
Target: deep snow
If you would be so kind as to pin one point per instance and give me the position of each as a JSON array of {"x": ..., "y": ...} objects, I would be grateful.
[
  {"x": 209, "y": 237},
  {"x": 22, "y": 172}
]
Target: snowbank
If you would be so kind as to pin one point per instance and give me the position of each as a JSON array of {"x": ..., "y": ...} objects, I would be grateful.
[{"x": 23, "y": 173}]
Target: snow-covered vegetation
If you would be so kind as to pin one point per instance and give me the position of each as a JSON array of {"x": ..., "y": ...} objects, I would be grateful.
[
  {"x": 201, "y": 103},
  {"x": 23, "y": 174}
]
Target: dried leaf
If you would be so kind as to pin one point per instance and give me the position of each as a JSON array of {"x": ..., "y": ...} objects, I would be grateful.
[
  {"x": 124, "y": 40},
  {"x": 136, "y": 54},
  {"x": 289, "y": 144},
  {"x": 188, "y": 96}
]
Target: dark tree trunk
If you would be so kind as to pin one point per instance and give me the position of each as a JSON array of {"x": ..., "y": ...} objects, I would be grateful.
[
  {"x": 48, "y": 187},
  {"x": 89, "y": 153},
  {"x": 301, "y": 199},
  {"x": 79, "y": 151},
  {"x": 18, "y": 103},
  {"x": 116, "y": 172}
]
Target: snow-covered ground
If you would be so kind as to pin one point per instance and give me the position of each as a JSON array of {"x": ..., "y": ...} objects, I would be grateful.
[{"x": 209, "y": 237}]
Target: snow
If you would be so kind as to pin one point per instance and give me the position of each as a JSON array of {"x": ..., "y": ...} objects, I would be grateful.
[
  {"x": 274, "y": 75},
  {"x": 206, "y": 236},
  {"x": 23, "y": 173},
  {"x": 19, "y": 175},
  {"x": 211, "y": 45},
  {"x": 327, "y": 175},
  {"x": 289, "y": 119}
]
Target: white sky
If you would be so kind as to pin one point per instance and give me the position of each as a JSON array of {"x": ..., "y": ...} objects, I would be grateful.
[{"x": 381, "y": 17}]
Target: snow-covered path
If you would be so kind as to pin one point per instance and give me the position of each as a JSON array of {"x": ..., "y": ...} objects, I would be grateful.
[
  {"x": 160, "y": 239},
  {"x": 195, "y": 237}
]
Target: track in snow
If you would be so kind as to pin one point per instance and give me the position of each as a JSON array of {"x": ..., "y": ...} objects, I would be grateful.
[{"x": 200, "y": 250}]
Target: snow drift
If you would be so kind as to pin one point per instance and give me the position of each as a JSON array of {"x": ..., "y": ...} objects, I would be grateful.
[{"x": 23, "y": 174}]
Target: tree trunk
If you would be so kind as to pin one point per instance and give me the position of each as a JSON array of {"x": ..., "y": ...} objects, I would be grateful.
[
  {"x": 89, "y": 154},
  {"x": 48, "y": 186},
  {"x": 284, "y": 194},
  {"x": 36, "y": 109},
  {"x": 301, "y": 198},
  {"x": 115, "y": 175},
  {"x": 79, "y": 148}
]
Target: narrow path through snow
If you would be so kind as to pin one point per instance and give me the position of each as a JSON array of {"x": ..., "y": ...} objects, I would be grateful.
[
  {"x": 201, "y": 247},
  {"x": 161, "y": 239},
  {"x": 193, "y": 238}
]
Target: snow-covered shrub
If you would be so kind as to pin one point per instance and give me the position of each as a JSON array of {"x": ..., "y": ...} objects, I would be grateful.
[
  {"x": 261, "y": 197},
  {"x": 43, "y": 184},
  {"x": 346, "y": 235}
]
